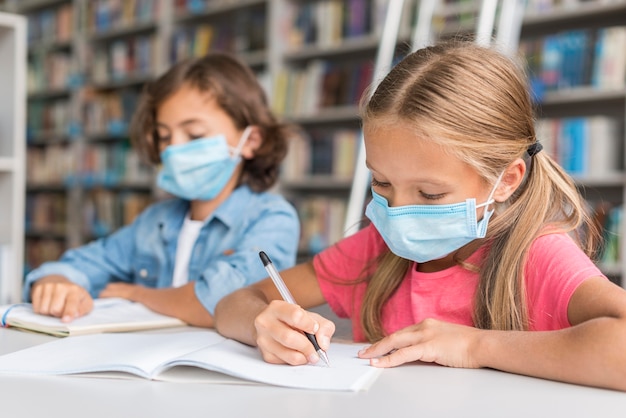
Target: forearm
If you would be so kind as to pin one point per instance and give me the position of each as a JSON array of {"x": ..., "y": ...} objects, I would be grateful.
[
  {"x": 178, "y": 302},
  {"x": 235, "y": 314},
  {"x": 592, "y": 353}
]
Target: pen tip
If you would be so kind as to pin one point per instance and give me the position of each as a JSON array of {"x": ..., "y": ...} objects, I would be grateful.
[{"x": 324, "y": 357}]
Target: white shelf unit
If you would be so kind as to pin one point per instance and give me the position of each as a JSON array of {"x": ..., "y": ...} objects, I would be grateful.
[{"x": 12, "y": 151}]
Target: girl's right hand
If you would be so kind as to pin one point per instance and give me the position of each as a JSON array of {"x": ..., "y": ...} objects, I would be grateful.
[
  {"x": 280, "y": 333},
  {"x": 57, "y": 296}
]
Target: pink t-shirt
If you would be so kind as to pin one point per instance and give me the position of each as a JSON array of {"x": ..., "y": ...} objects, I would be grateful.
[{"x": 555, "y": 268}]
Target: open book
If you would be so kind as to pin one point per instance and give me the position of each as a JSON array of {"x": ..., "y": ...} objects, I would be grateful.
[
  {"x": 157, "y": 356},
  {"x": 108, "y": 315}
]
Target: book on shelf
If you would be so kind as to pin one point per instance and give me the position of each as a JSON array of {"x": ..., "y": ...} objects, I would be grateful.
[
  {"x": 51, "y": 24},
  {"x": 46, "y": 212},
  {"x": 197, "y": 355},
  {"x": 610, "y": 61},
  {"x": 40, "y": 250},
  {"x": 320, "y": 84},
  {"x": 105, "y": 15},
  {"x": 51, "y": 165},
  {"x": 49, "y": 71},
  {"x": 108, "y": 315},
  {"x": 608, "y": 217},
  {"x": 322, "y": 222},
  {"x": 127, "y": 58},
  {"x": 109, "y": 112},
  {"x": 582, "y": 57},
  {"x": 105, "y": 211},
  {"x": 243, "y": 32},
  {"x": 584, "y": 147},
  {"x": 322, "y": 151},
  {"x": 47, "y": 120},
  {"x": 329, "y": 22}
]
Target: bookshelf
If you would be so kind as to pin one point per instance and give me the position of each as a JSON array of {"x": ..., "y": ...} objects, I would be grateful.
[
  {"x": 314, "y": 58},
  {"x": 88, "y": 61},
  {"x": 12, "y": 144},
  {"x": 327, "y": 52},
  {"x": 578, "y": 67}
]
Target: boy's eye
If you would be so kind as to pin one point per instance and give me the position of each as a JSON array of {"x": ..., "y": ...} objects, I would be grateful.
[
  {"x": 196, "y": 136},
  {"x": 163, "y": 139}
]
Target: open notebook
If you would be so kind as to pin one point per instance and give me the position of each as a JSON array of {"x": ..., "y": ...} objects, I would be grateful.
[
  {"x": 108, "y": 315},
  {"x": 157, "y": 356}
]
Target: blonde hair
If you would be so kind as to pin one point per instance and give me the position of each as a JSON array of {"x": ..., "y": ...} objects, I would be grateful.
[{"x": 475, "y": 102}]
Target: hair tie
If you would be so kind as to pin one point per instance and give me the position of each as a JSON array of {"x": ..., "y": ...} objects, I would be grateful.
[{"x": 534, "y": 148}]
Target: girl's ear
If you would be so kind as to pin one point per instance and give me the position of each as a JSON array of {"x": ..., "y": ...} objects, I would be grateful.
[
  {"x": 254, "y": 142},
  {"x": 511, "y": 179}
]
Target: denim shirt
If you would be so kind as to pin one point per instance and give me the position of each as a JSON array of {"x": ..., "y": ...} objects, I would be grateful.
[{"x": 224, "y": 257}]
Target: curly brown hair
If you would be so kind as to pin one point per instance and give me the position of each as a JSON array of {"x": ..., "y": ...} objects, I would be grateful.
[{"x": 237, "y": 91}]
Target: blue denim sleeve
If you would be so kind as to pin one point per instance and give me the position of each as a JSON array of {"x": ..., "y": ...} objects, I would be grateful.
[
  {"x": 276, "y": 230},
  {"x": 93, "y": 265}
]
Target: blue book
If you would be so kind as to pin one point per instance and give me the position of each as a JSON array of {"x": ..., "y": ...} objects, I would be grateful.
[
  {"x": 574, "y": 46},
  {"x": 551, "y": 62},
  {"x": 573, "y": 146}
]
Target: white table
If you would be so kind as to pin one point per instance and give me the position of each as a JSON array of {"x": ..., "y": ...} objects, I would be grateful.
[{"x": 415, "y": 390}]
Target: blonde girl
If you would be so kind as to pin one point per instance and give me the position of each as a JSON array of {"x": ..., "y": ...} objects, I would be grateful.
[{"x": 472, "y": 258}]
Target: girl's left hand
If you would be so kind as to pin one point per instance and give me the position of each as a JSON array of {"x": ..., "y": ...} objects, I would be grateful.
[
  {"x": 120, "y": 290},
  {"x": 430, "y": 341}
]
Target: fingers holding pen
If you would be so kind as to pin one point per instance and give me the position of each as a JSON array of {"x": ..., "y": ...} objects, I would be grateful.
[
  {"x": 325, "y": 332},
  {"x": 280, "y": 333}
]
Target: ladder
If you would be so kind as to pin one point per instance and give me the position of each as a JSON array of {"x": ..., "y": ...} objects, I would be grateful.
[{"x": 507, "y": 40}]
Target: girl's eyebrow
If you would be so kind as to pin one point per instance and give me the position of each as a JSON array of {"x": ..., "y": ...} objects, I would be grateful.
[{"x": 433, "y": 182}]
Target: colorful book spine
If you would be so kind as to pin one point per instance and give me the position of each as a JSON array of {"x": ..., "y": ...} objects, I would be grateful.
[
  {"x": 322, "y": 152},
  {"x": 584, "y": 147}
]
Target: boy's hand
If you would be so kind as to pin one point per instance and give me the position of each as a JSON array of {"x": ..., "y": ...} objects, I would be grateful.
[
  {"x": 280, "y": 334},
  {"x": 57, "y": 296}
]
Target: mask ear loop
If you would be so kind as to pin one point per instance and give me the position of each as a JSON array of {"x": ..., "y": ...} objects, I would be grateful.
[
  {"x": 242, "y": 142},
  {"x": 490, "y": 199}
]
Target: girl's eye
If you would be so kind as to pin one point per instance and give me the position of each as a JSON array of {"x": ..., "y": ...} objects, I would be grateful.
[
  {"x": 376, "y": 183},
  {"x": 194, "y": 137},
  {"x": 432, "y": 196}
]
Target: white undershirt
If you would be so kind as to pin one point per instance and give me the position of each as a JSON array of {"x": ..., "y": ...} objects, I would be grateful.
[{"x": 186, "y": 240}]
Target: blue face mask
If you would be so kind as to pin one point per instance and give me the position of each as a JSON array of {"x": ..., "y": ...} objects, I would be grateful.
[
  {"x": 199, "y": 169},
  {"x": 428, "y": 232}
]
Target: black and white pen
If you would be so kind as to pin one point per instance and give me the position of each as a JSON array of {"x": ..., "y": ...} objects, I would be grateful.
[{"x": 286, "y": 294}]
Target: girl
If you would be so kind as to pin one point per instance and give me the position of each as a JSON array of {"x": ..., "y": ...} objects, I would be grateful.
[
  {"x": 469, "y": 247},
  {"x": 208, "y": 123}
]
